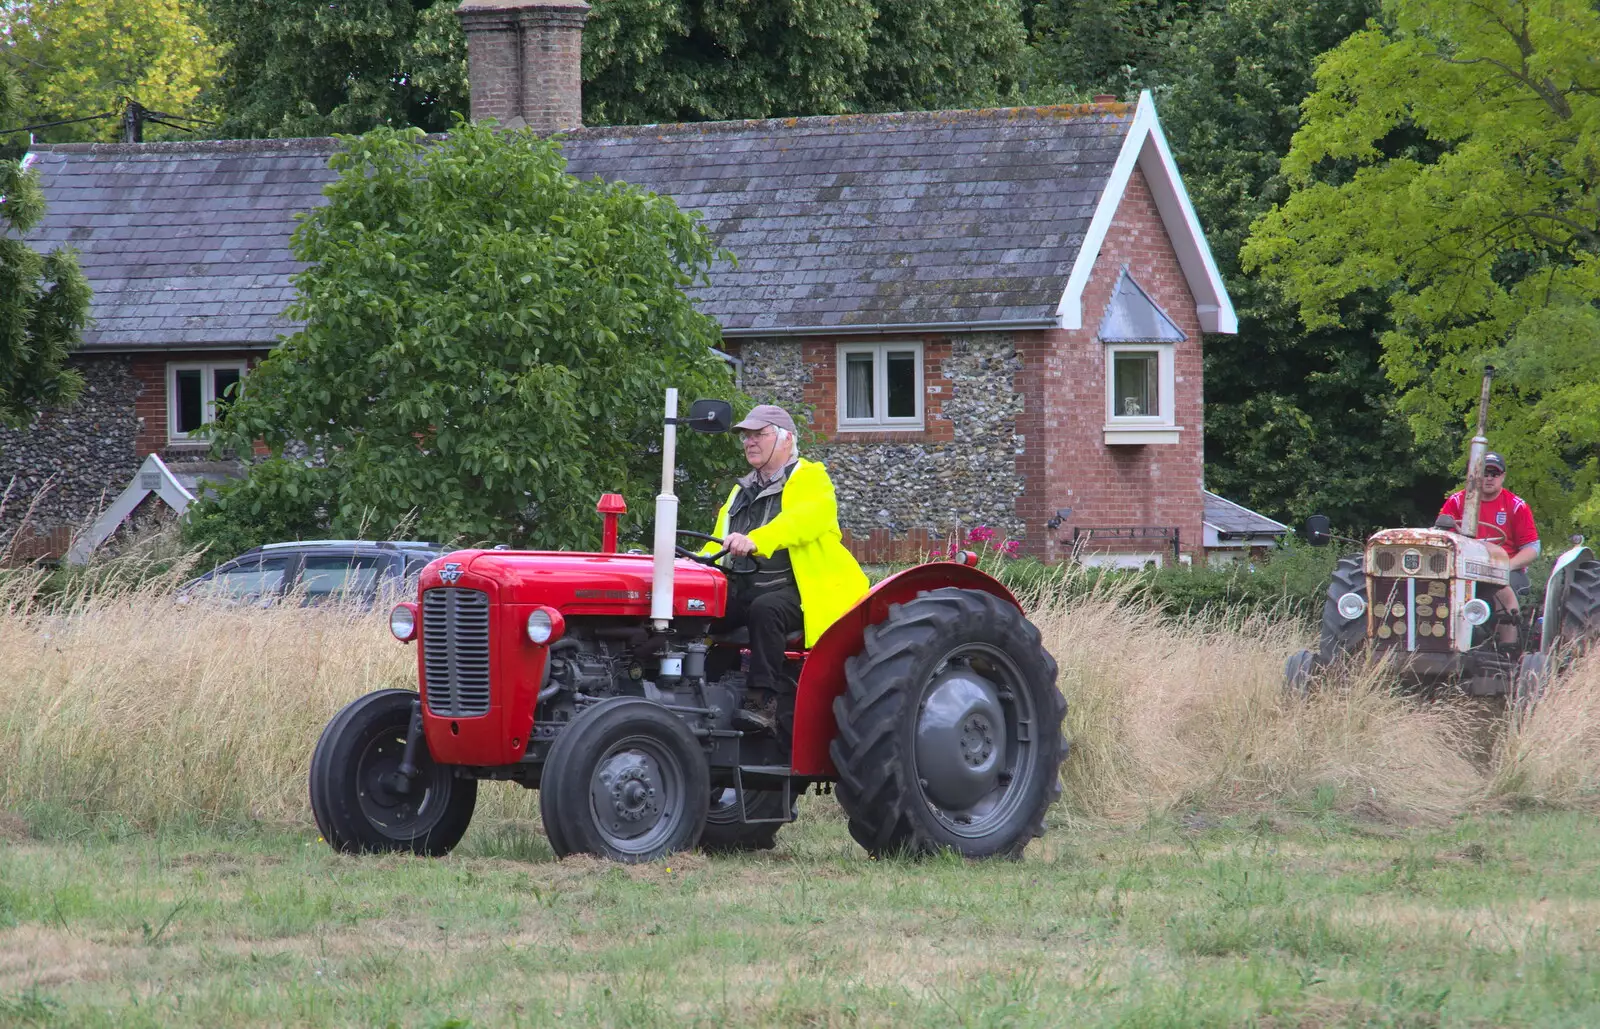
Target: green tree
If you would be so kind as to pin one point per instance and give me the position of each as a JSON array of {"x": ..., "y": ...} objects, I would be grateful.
[
  {"x": 300, "y": 67},
  {"x": 307, "y": 68},
  {"x": 1081, "y": 47},
  {"x": 44, "y": 298},
  {"x": 1449, "y": 163},
  {"x": 1297, "y": 421},
  {"x": 79, "y": 58},
  {"x": 485, "y": 344}
]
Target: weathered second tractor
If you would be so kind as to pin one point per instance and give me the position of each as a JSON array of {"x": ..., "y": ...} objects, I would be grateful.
[
  {"x": 593, "y": 677},
  {"x": 1421, "y": 599}
]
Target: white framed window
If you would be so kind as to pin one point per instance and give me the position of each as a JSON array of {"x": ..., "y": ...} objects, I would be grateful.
[
  {"x": 194, "y": 393},
  {"x": 880, "y": 386},
  {"x": 1140, "y": 387}
]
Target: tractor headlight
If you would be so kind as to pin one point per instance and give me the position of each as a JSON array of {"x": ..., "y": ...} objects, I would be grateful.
[
  {"x": 403, "y": 622},
  {"x": 1352, "y": 606},
  {"x": 545, "y": 625},
  {"x": 1476, "y": 611}
]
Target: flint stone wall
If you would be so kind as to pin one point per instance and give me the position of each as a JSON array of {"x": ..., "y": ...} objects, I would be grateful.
[
  {"x": 88, "y": 449},
  {"x": 968, "y": 479}
]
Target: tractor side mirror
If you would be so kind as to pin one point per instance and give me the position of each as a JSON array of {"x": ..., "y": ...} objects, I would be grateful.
[
  {"x": 710, "y": 416},
  {"x": 1317, "y": 527}
]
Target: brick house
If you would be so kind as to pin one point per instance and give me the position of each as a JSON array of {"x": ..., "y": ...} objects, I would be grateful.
[{"x": 989, "y": 316}]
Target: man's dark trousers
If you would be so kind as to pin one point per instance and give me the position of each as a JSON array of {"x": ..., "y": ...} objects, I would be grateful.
[{"x": 770, "y": 615}]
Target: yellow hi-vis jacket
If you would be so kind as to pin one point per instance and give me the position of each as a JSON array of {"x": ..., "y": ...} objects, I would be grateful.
[{"x": 827, "y": 575}]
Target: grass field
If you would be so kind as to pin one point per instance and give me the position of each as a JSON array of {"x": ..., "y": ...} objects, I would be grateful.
[
  {"x": 1300, "y": 918},
  {"x": 1223, "y": 854}
]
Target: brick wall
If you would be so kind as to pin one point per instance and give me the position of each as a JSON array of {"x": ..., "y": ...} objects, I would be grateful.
[
  {"x": 1065, "y": 461},
  {"x": 150, "y": 406}
]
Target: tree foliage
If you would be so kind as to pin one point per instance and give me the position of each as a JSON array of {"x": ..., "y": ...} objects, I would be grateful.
[
  {"x": 485, "y": 344},
  {"x": 44, "y": 298},
  {"x": 307, "y": 68},
  {"x": 300, "y": 67},
  {"x": 1449, "y": 164},
  {"x": 78, "y": 58},
  {"x": 1298, "y": 420}
]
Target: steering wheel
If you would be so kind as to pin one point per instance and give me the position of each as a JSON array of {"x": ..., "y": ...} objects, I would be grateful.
[
  {"x": 709, "y": 559},
  {"x": 695, "y": 555}
]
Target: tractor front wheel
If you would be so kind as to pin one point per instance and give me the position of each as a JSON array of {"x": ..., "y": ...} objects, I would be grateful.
[
  {"x": 625, "y": 780},
  {"x": 361, "y": 802},
  {"x": 949, "y": 729}
]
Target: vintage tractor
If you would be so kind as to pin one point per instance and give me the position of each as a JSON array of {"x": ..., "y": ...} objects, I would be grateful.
[
  {"x": 594, "y": 678},
  {"x": 1421, "y": 599}
]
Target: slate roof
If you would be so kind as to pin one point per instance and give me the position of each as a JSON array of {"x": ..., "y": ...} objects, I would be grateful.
[
  {"x": 956, "y": 218},
  {"x": 1235, "y": 521},
  {"x": 184, "y": 244}
]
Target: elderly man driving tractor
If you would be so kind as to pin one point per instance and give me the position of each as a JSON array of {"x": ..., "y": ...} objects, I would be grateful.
[{"x": 781, "y": 528}]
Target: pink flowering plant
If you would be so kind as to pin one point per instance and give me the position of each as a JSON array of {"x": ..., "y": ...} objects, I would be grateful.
[{"x": 986, "y": 542}]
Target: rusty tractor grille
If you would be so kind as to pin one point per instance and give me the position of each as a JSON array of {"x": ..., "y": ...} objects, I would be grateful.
[
  {"x": 1410, "y": 614},
  {"x": 455, "y": 651}
]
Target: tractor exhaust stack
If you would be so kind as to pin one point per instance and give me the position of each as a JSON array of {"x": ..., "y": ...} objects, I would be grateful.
[
  {"x": 666, "y": 522},
  {"x": 1475, "y": 456}
]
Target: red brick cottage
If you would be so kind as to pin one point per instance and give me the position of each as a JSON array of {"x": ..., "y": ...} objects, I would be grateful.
[{"x": 989, "y": 317}]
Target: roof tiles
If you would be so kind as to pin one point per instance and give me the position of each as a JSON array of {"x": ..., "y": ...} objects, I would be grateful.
[{"x": 942, "y": 218}]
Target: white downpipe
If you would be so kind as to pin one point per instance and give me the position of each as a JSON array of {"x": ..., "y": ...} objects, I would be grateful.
[{"x": 666, "y": 523}]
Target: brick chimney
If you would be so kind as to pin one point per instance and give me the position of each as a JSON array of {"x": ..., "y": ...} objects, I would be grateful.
[{"x": 524, "y": 61}]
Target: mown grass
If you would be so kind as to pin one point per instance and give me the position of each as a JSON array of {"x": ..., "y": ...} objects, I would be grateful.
[
  {"x": 1224, "y": 854},
  {"x": 1302, "y": 918}
]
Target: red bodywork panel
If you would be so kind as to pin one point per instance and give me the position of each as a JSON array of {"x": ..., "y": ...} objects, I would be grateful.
[
  {"x": 518, "y": 581},
  {"x": 822, "y": 677}
]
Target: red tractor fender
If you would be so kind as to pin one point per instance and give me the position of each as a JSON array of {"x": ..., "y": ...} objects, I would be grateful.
[{"x": 822, "y": 675}]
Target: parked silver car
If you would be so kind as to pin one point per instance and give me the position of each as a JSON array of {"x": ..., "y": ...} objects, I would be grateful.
[{"x": 318, "y": 571}]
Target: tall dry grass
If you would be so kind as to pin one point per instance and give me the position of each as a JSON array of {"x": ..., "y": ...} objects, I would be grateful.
[
  {"x": 1550, "y": 754},
  {"x": 118, "y": 700},
  {"x": 1166, "y": 713}
]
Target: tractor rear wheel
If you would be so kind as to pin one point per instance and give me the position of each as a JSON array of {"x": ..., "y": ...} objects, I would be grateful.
[
  {"x": 1341, "y": 635},
  {"x": 1580, "y": 608},
  {"x": 725, "y": 834},
  {"x": 949, "y": 729},
  {"x": 360, "y": 801},
  {"x": 625, "y": 780}
]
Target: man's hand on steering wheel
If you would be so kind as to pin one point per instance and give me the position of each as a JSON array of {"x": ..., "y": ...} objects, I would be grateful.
[{"x": 738, "y": 544}]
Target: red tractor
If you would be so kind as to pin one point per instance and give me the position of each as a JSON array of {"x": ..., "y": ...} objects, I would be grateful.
[{"x": 594, "y": 678}]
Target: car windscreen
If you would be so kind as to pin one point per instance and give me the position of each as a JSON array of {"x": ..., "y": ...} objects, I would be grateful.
[
  {"x": 328, "y": 576},
  {"x": 250, "y": 577}
]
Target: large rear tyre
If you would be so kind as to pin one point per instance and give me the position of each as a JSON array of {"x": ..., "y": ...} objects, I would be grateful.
[
  {"x": 361, "y": 803},
  {"x": 949, "y": 729},
  {"x": 625, "y": 780},
  {"x": 725, "y": 834},
  {"x": 1580, "y": 609},
  {"x": 1341, "y": 636}
]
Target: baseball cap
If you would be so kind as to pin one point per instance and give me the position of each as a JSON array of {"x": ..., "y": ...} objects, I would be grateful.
[
  {"x": 763, "y": 415},
  {"x": 1493, "y": 460}
]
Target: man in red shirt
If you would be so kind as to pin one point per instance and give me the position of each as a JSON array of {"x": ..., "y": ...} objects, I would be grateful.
[{"x": 1506, "y": 519}]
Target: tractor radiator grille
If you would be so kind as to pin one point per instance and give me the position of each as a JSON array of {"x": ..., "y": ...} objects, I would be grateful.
[
  {"x": 1410, "y": 614},
  {"x": 455, "y": 651}
]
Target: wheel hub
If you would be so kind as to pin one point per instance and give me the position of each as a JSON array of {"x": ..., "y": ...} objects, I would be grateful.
[
  {"x": 961, "y": 743},
  {"x": 626, "y": 791}
]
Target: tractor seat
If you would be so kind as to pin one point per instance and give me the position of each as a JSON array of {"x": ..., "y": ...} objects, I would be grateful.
[{"x": 740, "y": 637}]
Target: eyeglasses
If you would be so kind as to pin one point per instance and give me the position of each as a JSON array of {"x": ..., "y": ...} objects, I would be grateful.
[
  {"x": 1496, "y": 472},
  {"x": 749, "y": 434}
]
